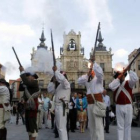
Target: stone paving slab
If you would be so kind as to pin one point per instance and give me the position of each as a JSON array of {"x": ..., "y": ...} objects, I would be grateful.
[{"x": 18, "y": 132}]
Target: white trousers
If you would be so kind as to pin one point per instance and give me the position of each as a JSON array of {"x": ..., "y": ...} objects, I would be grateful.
[
  {"x": 124, "y": 120},
  {"x": 45, "y": 115},
  {"x": 40, "y": 118},
  {"x": 95, "y": 124},
  {"x": 2, "y": 124},
  {"x": 61, "y": 122}
]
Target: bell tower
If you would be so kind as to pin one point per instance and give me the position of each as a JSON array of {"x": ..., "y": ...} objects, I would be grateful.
[{"x": 72, "y": 57}]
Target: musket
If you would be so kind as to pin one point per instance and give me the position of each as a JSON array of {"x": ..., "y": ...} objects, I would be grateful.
[
  {"x": 16, "y": 56},
  {"x": 129, "y": 65},
  {"x": 54, "y": 61},
  {"x": 138, "y": 53},
  {"x": 93, "y": 54}
]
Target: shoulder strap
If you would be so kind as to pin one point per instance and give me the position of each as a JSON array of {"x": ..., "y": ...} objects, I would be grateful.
[
  {"x": 127, "y": 94},
  {"x": 93, "y": 97},
  {"x": 119, "y": 91},
  {"x": 121, "y": 88}
]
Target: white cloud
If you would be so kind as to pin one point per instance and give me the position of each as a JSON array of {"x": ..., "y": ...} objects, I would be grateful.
[
  {"x": 19, "y": 30},
  {"x": 121, "y": 53},
  {"x": 22, "y": 28},
  {"x": 97, "y": 11}
]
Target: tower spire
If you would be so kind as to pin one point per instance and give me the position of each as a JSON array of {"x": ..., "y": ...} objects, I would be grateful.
[
  {"x": 100, "y": 46},
  {"x": 42, "y": 39},
  {"x": 100, "y": 39}
]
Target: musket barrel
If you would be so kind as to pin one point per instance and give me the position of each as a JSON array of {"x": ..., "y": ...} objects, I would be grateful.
[
  {"x": 16, "y": 56},
  {"x": 97, "y": 36},
  {"x": 54, "y": 61},
  {"x": 93, "y": 54},
  {"x": 135, "y": 57}
]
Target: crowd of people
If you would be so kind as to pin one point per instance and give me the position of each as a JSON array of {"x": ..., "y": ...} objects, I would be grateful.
[{"x": 66, "y": 108}]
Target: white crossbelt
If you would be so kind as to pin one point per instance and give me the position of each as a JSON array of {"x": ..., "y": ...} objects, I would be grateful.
[{"x": 121, "y": 88}]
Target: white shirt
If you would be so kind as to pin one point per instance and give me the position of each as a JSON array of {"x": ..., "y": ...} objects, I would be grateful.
[
  {"x": 96, "y": 84},
  {"x": 40, "y": 101},
  {"x": 61, "y": 79},
  {"x": 63, "y": 89},
  {"x": 4, "y": 95},
  {"x": 74, "y": 100},
  {"x": 70, "y": 104},
  {"x": 106, "y": 99}
]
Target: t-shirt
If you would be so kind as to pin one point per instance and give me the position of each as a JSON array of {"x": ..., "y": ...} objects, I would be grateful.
[{"x": 46, "y": 103}]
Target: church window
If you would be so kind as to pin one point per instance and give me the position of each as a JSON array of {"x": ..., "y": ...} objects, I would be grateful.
[
  {"x": 72, "y": 45},
  {"x": 72, "y": 84},
  {"x": 41, "y": 83},
  {"x": 138, "y": 64},
  {"x": 102, "y": 66}
]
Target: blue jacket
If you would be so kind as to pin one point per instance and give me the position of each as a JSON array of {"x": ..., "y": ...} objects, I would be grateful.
[{"x": 84, "y": 106}]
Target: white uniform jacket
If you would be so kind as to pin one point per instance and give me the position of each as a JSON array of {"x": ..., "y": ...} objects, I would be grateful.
[
  {"x": 96, "y": 84},
  {"x": 63, "y": 89},
  {"x": 4, "y": 95}
]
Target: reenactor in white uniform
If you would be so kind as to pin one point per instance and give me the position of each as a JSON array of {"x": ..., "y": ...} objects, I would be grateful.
[
  {"x": 123, "y": 99},
  {"x": 94, "y": 85},
  {"x": 61, "y": 87},
  {"x": 4, "y": 103}
]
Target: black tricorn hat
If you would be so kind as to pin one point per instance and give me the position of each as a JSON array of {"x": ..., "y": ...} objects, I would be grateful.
[
  {"x": 34, "y": 75},
  {"x": 117, "y": 73},
  {"x": 4, "y": 82}
]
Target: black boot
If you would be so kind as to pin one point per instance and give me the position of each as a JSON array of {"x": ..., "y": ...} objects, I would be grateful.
[
  {"x": 1, "y": 133},
  {"x": 4, "y": 134}
]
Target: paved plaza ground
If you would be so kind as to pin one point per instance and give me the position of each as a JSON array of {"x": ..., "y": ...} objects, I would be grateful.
[{"x": 18, "y": 132}]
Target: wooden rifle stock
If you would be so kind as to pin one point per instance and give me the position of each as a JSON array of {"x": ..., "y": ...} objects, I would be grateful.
[{"x": 16, "y": 56}]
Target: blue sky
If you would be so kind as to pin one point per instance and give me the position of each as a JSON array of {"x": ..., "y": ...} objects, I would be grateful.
[{"x": 21, "y": 27}]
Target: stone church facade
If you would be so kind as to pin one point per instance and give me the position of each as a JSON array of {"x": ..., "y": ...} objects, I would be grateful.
[
  {"x": 74, "y": 62},
  {"x": 72, "y": 58}
]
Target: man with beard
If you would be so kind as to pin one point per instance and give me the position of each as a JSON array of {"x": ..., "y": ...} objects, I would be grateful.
[
  {"x": 31, "y": 92},
  {"x": 61, "y": 87},
  {"x": 123, "y": 99}
]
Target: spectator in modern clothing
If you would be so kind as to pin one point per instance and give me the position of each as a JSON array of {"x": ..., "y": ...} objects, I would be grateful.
[
  {"x": 106, "y": 99},
  {"x": 73, "y": 112},
  {"x": 20, "y": 111},
  {"x": 81, "y": 104},
  {"x": 40, "y": 111},
  {"x": 14, "y": 109},
  {"x": 46, "y": 101}
]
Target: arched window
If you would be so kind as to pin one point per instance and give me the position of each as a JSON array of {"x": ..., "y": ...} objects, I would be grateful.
[{"x": 72, "y": 45}]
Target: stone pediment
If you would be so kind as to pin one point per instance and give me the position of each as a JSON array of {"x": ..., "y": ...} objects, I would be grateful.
[{"x": 72, "y": 32}]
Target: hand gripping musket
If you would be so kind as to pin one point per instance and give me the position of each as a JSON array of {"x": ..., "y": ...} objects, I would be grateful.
[{"x": 16, "y": 57}]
